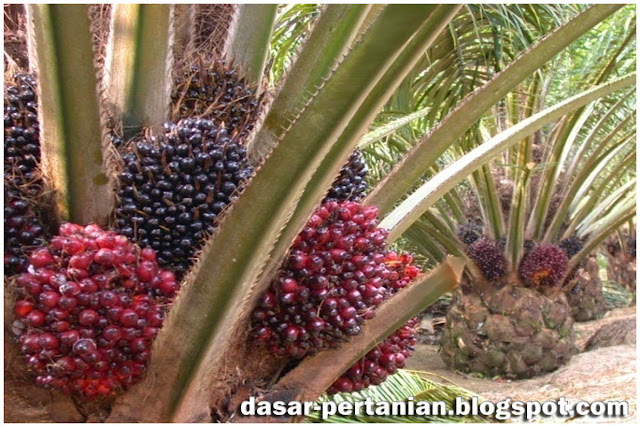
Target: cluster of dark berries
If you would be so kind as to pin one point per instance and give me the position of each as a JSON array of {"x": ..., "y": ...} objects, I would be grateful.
[
  {"x": 23, "y": 229},
  {"x": 571, "y": 246},
  {"x": 469, "y": 233},
  {"x": 544, "y": 266},
  {"x": 23, "y": 185},
  {"x": 336, "y": 273},
  {"x": 88, "y": 310},
  {"x": 489, "y": 257},
  {"x": 382, "y": 361},
  {"x": 21, "y": 128},
  {"x": 219, "y": 94},
  {"x": 350, "y": 184},
  {"x": 173, "y": 188}
]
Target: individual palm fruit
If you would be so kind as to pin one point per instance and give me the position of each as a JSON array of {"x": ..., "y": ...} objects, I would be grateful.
[
  {"x": 174, "y": 188},
  {"x": 544, "y": 266},
  {"x": 571, "y": 246},
  {"x": 469, "y": 233},
  {"x": 88, "y": 310},
  {"x": 488, "y": 256},
  {"x": 512, "y": 332},
  {"x": 336, "y": 273},
  {"x": 350, "y": 184},
  {"x": 380, "y": 362},
  {"x": 218, "y": 93}
]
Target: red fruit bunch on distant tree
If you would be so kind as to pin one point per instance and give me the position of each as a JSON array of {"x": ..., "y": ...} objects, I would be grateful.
[
  {"x": 336, "y": 274},
  {"x": 383, "y": 360},
  {"x": 88, "y": 308}
]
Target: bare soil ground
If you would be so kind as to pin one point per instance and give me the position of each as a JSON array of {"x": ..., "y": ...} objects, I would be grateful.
[{"x": 606, "y": 372}]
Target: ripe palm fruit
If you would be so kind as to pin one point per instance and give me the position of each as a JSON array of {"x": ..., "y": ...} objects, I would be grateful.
[
  {"x": 88, "y": 310},
  {"x": 217, "y": 93},
  {"x": 544, "y": 266},
  {"x": 350, "y": 184},
  {"x": 488, "y": 256},
  {"x": 513, "y": 332},
  {"x": 335, "y": 275},
  {"x": 23, "y": 184},
  {"x": 174, "y": 188},
  {"x": 383, "y": 360},
  {"x": 469, "y": 233}
]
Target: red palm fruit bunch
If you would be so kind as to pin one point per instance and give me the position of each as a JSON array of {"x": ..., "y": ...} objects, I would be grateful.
[
  {"x": 336, "y": 273},
  {"x": 488, "y": 256},
  {"x": 544, "y": 266},
  {"x": 88, "y": 310},
  {"x": 382, "y": 361}
]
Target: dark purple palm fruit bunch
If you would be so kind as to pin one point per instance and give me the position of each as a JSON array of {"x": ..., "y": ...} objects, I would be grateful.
[
  {"x": 23, "y": 228},
  {"x": 528, "y": 245},
  {"x": 488, "y": 255},
  {"x": 380, "y": 362},
  {"x": 350, "y": 184},
  {"x": 469, "y": 233},
  {"x": 21, "y": 128},
  {"x": 88, "y": 310},
  {"x": 217, "y": 93},
  {"x": 544, "y": 266},
  {"x": 335, "y": 275},
  {"x": 23, "y": 185},
  {"x": 571, "y": 246},
  {"x": 174, "y": 188}
]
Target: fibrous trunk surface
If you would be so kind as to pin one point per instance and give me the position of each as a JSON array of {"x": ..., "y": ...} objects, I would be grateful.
[
  {"x": 585, "y": 292},
  {"x": 513, "y": 332}
]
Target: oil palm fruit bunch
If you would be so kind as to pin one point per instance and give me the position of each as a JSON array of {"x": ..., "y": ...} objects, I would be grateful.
[
  {"x": 350, "y": 184},
  {"x": 219, "y": 93},
  {"x": 350, "y": 65},
  {"x": 23, "y": 185},
  {"x": 336, "y": 274},
  {"x": 469, "y": 233},
  {"x": 89, "y": 309},
  {"x": 380, "y": 362},
  {"x": 173, "y": 188}
]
